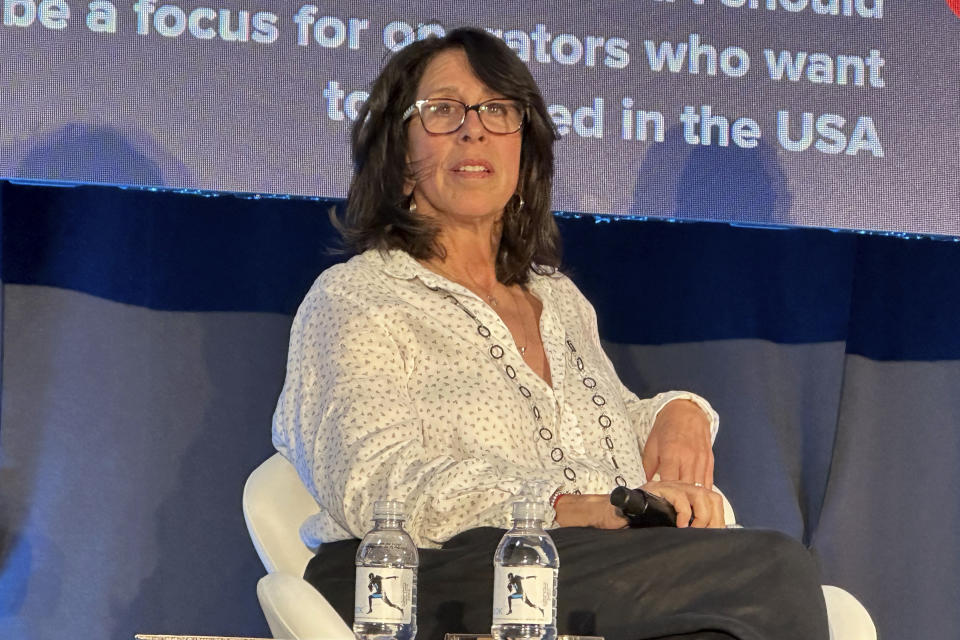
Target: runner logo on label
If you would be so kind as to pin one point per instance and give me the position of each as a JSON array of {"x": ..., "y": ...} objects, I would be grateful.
[
  {"x": 523, "y": 595},
  {"x": 383, "y": 594}
]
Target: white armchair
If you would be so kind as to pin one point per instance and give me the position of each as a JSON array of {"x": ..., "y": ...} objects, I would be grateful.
[{"x": 275, "y": 503}]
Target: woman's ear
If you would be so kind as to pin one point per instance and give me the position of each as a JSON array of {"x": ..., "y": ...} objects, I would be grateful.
[{"x": 408, "y": 186}]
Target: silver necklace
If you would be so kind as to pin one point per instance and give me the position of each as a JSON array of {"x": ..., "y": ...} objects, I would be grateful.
[
  {"x": 486, "y": 295},
  {"x": 492, "y": 300},
  {"x": 523, "y": 325}
]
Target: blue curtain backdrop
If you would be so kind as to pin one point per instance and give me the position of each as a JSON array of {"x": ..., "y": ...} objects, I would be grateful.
[{"x": 144, "y": 342}]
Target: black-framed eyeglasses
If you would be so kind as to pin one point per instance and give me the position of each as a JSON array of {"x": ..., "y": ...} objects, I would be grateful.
[{"x": 445, "y": 115}]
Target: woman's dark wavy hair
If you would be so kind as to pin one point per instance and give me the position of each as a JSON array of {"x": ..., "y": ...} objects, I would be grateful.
[{"x": 377, "y": 214}]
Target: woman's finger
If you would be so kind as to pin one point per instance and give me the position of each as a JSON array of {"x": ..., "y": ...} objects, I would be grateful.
[
  {"x": 713, "y": 512},
  {"x": 686, "y": 468},
  {"x": 695, "y": 506},
  {"x": 669, "y": 469},
  {"x": 708, "y": 474},
  {"x": 700, "y": 469},
  {"x": 681, "y": 503},
  {"x": 717, "y": 503},
  {"x": 702, "y": 510}
]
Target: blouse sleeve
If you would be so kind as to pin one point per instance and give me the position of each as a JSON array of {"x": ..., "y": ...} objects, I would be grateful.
[
  {"x": 346, "y": 420},
  {"x": 644, "y": 411}
]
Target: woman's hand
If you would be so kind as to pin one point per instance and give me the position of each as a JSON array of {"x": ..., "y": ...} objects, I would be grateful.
[
  {"x": 588, "y": 511},
  {"x": 703, "y": 505},
  {"x": 679, "y": 446}
]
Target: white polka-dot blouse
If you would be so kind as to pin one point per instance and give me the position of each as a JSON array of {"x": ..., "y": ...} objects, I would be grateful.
[{"x": 402, "y": 384}]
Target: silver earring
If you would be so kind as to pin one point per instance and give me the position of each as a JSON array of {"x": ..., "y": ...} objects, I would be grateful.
[{"x": 413, "y": 205}]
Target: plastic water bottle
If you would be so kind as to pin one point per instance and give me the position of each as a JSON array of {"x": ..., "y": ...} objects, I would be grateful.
[
  {"x": 385, "y": 593},
  {"x": 525, "y": 570}
]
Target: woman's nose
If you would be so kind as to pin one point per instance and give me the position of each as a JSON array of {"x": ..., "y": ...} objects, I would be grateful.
[{"x": 472, "y": 127}]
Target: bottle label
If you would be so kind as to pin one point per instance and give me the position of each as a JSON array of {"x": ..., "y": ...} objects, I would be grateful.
[
  {"x": 383, "y": 594},
  {"x": 523, "y": 595}
]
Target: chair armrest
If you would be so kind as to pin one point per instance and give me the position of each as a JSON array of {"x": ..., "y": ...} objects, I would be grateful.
[
  {"x": 849, "y": 620},
  {"x": 294, "y": 609}
]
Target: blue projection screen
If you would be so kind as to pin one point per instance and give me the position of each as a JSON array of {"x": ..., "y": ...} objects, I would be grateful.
[{"x": 822, "y": 113}]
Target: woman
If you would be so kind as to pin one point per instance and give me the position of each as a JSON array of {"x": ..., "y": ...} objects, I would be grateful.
[{"x": 449, "y": 361}]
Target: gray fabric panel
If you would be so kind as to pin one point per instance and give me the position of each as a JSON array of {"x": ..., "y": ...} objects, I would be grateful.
[
  {"x": 890, "y": 520},
  {"x": 127, "y": 436}
]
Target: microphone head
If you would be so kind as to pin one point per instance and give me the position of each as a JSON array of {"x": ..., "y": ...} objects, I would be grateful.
[
  {"x": 619, "y": 497},
  {"x": 644, "y": 509},
  {"x": 633, "y": 502}
]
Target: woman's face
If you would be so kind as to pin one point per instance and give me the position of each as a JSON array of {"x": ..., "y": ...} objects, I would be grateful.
[{"x": 468, "y": 175}]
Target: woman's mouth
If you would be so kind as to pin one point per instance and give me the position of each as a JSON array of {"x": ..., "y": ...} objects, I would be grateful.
[{"x": 473, "y": 169}]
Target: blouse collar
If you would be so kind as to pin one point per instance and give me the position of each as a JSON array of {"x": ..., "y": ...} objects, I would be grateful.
[{"x": 399, "y": 264}]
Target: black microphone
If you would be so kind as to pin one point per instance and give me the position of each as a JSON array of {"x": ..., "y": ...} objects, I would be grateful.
[{"x": 643, "y": 509}]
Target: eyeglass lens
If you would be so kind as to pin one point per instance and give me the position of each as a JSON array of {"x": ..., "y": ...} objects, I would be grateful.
[{"x": 446, "y": 116}]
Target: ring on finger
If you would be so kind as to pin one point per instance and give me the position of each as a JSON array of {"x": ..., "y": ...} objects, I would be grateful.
[{"x": 698, "y": 485}]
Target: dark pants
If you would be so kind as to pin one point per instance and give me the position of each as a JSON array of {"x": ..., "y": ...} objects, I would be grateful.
[{"x": 632, "y": 584}]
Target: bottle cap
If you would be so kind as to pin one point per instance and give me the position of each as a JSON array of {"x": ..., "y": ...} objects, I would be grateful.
[
  {"x": 531, "y": 503},
  {"x": 524, "y": 509},
  {"x": 388, "y": 509}
]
